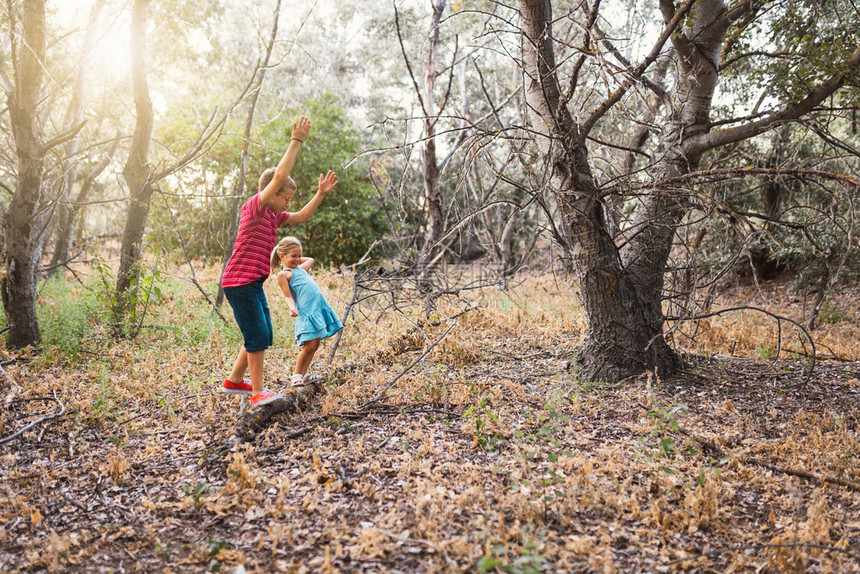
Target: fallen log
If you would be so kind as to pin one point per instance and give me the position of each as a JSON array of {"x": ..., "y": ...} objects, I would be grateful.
[{"x": 256, "y": 420}]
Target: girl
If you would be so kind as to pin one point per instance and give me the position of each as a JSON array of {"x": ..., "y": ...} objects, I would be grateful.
[{"x": 315, "y": 319}]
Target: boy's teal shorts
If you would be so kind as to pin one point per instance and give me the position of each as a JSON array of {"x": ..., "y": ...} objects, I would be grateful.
[{"x": 251, "y": 311}]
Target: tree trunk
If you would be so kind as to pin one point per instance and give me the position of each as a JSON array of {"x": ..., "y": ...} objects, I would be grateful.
[
  {"x": 623, "y": 338},
  {"x": 622, "y": 292},
  {"x": 137, "y": 169},
  {"x": 74, "y": 117},
  {"x": 69, "y": 212},
  {"x": 432, "y": 193},
  {"x": 646, "y": 254},
  {"x": 24, "y": 221},
  {"x": 239, "y": 191}
]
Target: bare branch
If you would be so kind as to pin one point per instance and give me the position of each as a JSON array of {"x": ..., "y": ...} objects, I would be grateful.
[
  {"x": 37, "y": 421},
  {"x": 636, "y": 74},
  {"x": 406, "y": 59},
  {"x": 793, "y": 112},
  {"x": 63, "y": 138}
]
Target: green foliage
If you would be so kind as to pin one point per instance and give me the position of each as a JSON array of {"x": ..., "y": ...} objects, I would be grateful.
[
  {"x": 788, "y": 47},
  {"x": 542, "y": 450},
  {"x": 162, "y": 550},
  {"x": 523, "y": 564},
  {"x": 480, "y": 413},
  {"x": 351, "y": 217},
  {"x": 211, "y": 548},
  {"x": 196, "y": 492},
  {"x": 65, "y": 316},
  {"x": 665, "y": 420},
  {"x": 130, "y": 308},
  {"x": 831, "y": 315}
]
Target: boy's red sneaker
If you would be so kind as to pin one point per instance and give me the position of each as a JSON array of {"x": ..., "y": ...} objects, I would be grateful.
[
  {"x": 243, "y": 388},
  {"x": 265, "y": 397}
]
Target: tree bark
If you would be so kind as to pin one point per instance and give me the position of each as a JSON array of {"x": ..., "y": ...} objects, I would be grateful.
[
  {"x": 622, "y": 337},
  {"x": 137, "y": 170},
  {"x": 24, "y": 221},
  {"x": 432, "y": 193}
]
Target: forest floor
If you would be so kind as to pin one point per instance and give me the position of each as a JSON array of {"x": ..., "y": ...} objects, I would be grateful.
[{"x": 489, "y": 455}]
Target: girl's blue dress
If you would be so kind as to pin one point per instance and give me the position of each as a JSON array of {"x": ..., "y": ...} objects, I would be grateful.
[{"x": 316, "y": 320}]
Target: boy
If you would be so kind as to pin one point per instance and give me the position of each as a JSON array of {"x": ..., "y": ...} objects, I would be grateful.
[{"x": 248, "y": 267}]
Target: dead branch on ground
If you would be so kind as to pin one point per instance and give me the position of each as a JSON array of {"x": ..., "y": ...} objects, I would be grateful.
[
  {"x": 38, "y": 421},
  {"x": 713, "y": 448}
]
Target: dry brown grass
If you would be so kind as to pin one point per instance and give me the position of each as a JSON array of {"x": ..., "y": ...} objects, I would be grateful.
[
  {"x": 489, "y": 455},
  {"x": 756, "y": 335}
]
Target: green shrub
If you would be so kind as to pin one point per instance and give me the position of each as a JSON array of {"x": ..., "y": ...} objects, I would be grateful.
[{"x": 65, "y": 315}]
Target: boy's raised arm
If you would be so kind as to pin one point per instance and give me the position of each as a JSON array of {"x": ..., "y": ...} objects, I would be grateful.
[
  {"x": 285, "y": 166},
  {"x": 327, "y": 183}
]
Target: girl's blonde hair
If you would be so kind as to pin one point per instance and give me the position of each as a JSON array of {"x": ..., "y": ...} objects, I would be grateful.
[{"x": 283, "y": 247}]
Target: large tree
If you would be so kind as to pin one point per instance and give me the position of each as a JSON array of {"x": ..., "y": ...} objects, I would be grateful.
[
  {"x": 24, "y": 222},
  {"x": 622, "y": 286},
  {"x": 137, "y": 171}
]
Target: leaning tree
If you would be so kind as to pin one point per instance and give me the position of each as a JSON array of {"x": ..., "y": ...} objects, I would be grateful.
[{"x": 622, "y": 281}]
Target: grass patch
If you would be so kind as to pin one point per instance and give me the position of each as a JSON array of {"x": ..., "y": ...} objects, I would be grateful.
[{"x": 67, "y": 313}]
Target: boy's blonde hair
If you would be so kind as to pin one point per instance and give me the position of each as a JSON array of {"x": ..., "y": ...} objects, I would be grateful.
[
  {"x": 283, "y": 247},
  {"x": 269, "y": 175}
]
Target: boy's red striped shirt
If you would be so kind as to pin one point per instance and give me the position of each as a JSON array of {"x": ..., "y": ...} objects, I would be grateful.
[{"x": 257, "y": 236}]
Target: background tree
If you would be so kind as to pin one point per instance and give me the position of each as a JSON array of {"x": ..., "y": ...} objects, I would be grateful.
[
  {"x": 24, "y": 221},
  {"x": 239, "y": 190},
  {"x": 137, "y": 171},
  {"x": 67, "y": 211}
]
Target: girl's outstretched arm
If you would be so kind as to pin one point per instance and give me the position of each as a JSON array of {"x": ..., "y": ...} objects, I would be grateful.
[{"x": 284, "y": 281}]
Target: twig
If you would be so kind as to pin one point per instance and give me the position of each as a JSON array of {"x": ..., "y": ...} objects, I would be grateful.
[
  {"x": 44, "y": 472},
  {"x": 851, "y": 485},
  {"x": 779, "y": 320},
  {"x": 193, "y": 277},
  {"x": 290, "y": 436},
  {"x": 421, "y": 540},
  {"x": 38, "y": 421},
  {"x": 351, "y": 304},
  {"x": 126, "y": 421},
  {"x": 11, "y": 385},
  {"x": 408, "y": 368}
]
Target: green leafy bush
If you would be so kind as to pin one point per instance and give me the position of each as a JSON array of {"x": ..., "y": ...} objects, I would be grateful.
[
  {"x": 351, "y": 217},
  {"x": 65, "y": 316},
  {"x": 196, "y": 212}
]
